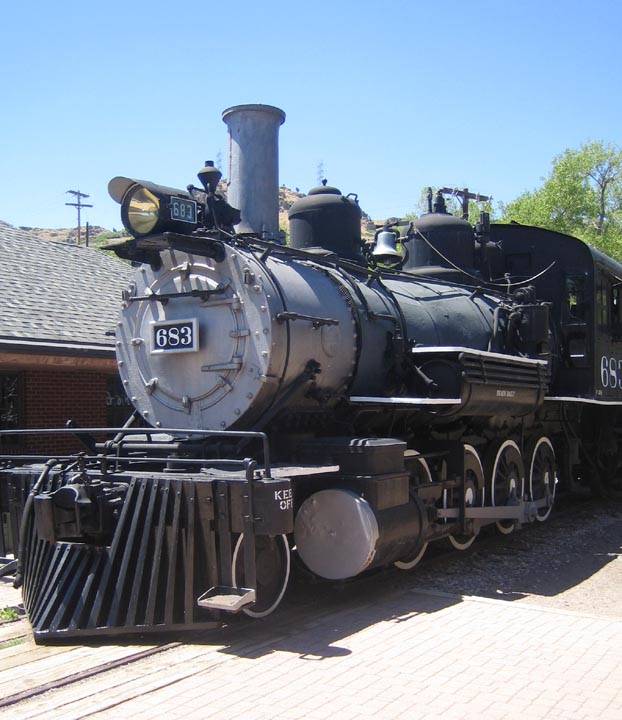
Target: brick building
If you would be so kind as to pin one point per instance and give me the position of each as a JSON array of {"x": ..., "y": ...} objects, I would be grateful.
[{"x": 58, "y": 306}]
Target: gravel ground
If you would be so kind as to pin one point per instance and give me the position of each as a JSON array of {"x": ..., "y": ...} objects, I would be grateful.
[{"x": 571, "y": 562}]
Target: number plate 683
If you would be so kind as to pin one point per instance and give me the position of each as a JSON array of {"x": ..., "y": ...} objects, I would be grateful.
[{"x": 175, "y": 336}]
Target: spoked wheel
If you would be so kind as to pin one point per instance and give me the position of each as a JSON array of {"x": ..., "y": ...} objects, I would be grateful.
[
  {"x": 273, "y": 568},
  {"x": 420, "y": 474},
  {"x": 542, "y": 475},
  {"x": 473, "y": 493},
  {"x": 507, "y": 480}
]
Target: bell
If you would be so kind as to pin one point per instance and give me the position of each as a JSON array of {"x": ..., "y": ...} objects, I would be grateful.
[{"x": 385, "y": 251}]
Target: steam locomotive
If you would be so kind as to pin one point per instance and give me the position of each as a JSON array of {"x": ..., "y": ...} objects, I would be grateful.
[{"x": 341, "y": 403}]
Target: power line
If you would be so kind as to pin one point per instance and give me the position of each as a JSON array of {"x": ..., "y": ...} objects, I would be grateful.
[{"x": 78, "y": 204}]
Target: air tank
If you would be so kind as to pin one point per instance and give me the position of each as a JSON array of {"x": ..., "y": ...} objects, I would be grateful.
[{"x": 329, "y": 220}]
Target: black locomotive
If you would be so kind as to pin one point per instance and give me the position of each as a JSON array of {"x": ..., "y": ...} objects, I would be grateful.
[{"x": 346, "y": 403}]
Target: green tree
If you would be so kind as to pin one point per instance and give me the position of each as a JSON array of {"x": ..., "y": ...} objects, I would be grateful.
[{"x": 582, "y": 196}]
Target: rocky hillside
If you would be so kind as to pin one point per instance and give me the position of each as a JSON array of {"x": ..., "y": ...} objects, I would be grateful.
[{"x": 70, "y": 235}]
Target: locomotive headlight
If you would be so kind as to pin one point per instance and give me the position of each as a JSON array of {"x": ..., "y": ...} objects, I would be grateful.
[
  {"x": 147, "y": 208},
  {"x": 141, "y": 211}
]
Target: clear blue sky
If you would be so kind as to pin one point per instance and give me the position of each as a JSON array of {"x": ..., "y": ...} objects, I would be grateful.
[{"x": 390, "y": 96}]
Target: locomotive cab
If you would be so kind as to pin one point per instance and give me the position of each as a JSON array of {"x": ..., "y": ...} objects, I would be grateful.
[{"x": 583, "y": 288}]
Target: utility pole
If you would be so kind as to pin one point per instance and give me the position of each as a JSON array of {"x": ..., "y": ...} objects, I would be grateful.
[
  {"x": 465, "y": 196},
  {"x": 78, "y": 204},
  {"x": 320, "y": 172}
]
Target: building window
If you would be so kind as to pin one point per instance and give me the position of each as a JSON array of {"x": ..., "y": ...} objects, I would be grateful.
[
  {"x": 11, "y": 395},
  {"x": 118, "y": 406}
]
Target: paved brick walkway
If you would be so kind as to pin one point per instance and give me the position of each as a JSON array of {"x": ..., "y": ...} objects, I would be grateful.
[{"x": 401, "y": 654}]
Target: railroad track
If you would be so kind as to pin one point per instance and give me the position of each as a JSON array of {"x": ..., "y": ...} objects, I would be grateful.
[{"x": 28, "y": 670}]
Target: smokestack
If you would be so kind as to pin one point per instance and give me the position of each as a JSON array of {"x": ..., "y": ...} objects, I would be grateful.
[{"x": 253, "y": 185}]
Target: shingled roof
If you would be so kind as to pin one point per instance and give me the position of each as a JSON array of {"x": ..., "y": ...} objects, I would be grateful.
[{"x": 57, "y": 297}]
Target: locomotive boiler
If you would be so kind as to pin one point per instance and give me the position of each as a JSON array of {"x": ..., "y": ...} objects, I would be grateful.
[{"x": 341, "y": 403}]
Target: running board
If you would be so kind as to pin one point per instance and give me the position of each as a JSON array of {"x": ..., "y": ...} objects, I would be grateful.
[
  {"x": 414, "y": 401},
  {"x": 223, "y": 597}
]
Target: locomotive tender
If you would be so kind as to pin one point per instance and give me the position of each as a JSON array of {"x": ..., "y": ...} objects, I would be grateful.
[{"x": 322, "y": 399}]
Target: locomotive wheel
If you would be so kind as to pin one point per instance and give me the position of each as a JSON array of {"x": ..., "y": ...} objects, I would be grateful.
[
  {"x": 507, "y": 480},
  {"x": 542, "y": 475},
  {"x": 273, "y": 568},
  {"x": 473, "y": 493},
  {"x": 421, "y": 474}
]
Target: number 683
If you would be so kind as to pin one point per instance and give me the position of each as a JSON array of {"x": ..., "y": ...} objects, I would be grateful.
[{"x": 611, "y": 372}]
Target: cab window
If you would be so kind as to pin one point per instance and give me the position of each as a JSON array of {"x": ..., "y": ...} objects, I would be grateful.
[
  {"x": 615, "y": 306},
  {"x": 576, "y": 305}
]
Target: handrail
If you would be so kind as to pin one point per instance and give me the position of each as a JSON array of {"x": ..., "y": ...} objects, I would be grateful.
[{"x": 121, "y": 433}]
